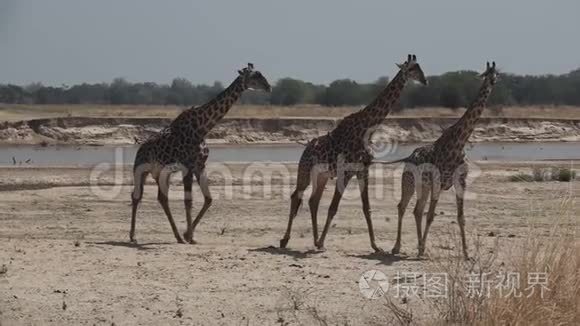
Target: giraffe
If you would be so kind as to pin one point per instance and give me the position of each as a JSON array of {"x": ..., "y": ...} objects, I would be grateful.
[
  {"x": 181, "y": 147},
  {"x": 438, "y": 166},
  {"x": 326, "y": 157}
]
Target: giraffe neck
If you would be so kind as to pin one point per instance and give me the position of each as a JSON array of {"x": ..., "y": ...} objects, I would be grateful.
[
  {"x": 463, "y": 128},
  {"x": 209, "y": 114},
  {"x": 374, "y": 113}
]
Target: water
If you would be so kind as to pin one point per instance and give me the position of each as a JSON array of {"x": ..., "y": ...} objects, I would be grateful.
[{"x": 91, "y": 155}]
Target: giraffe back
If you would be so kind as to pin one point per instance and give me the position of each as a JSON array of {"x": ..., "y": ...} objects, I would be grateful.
[{"x": 173, "y": 151}]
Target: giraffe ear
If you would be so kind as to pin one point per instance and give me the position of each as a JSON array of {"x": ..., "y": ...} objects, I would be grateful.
[
  {"x": 399, "y": 65},
  {"x": 240, "y": 72}
]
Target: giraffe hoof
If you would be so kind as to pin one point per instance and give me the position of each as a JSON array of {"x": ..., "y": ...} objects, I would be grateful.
[
  {"x": 283, "y": 243},
  {"x": 396, "y": 251},
  {"x": 423, "y": 254},
  {"x": 320, "y": 247},
  {"x": 191, "y": 241},
  {"x": 133, "y": 240},
  {"x": 378, "y": 250}
]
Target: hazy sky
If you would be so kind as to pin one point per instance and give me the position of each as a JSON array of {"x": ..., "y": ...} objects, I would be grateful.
[{"x": 72, "y": 41}]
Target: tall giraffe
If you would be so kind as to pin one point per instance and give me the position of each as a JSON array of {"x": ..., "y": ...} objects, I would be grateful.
[
  {"x": 343, "y": 153},
  {"x": 181, "y": 147},
  {"x": 438, "y": 166}
]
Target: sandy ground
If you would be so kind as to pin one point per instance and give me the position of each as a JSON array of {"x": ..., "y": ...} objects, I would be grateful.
[{"x": 65, "y": 258}]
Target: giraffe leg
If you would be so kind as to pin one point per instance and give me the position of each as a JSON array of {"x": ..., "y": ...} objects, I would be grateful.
[
  {"x": 162, "y": 197},
  {"x": 203, "y": 183},
  {"x": 363, "y": 182},
  {"x": 188, "y": 200},
  {"x": 318, "y": 187},
  {"x": 139, "y": 181},
  {"x": 340, "y": 188},
  {"x": 407, "y": 191},
  {"x": 302, "y": 181},
  {"x": 422, "y": 196},
  {"x": 435, "y": 191},
  {"x": 459, "y": 194}
]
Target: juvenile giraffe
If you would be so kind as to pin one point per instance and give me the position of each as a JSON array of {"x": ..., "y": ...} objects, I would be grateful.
[
  {"x": 181, "y": 147},
  {"x": 343, "y": 153},
  {"x": 438, "y": 166}
]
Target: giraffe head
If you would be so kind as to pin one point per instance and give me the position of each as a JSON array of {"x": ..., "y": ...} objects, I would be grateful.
[
  {"x": 253, "y": 79},
  {"x": 412, "y": 70},
  {"x": 490, "y": 74}
]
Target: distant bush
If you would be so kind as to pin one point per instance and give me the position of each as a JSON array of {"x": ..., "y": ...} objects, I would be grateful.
[
  {"x": 545, "y": 174},
  {"x": 521, "y": 177},
  {"x": 288, "y": 91},
  {"x": 563, "y": 174},
  {"x": 451, "y": 90},
  {"x": 540, "y": 174}
]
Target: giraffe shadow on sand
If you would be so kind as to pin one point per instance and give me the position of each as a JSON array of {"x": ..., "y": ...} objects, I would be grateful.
[
  {"x": 298, "y": 254},
  {"x": 139, "y": 246},
  {"x": 386, "y": 259}
]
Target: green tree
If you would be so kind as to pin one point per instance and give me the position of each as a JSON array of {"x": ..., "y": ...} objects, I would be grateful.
[
  {"x": 344, "y": 92},
  {"x": 288, "y": 91},
  {"x": 118, "y": 91},
  {"x": 451, "y": 97}
]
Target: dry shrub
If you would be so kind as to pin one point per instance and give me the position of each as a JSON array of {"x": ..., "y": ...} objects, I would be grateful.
[
  {"x": 556, "y": 255},
  {"x": 459, "y": 305},
  {"x": 559, "y": 257},
  {"x": 297, "y": 306},
  {"x": 399, "y": 315}
]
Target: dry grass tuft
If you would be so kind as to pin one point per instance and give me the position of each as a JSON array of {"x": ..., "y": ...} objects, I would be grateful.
[
  {"x": 555, "y": 256},
  {"x": 297, "y": 307},
  {"x": 400, "y": 315},
  {"x": 559, "y": 258},
  {"x": 460, "y": 305},
  {"x": 3, "y": 269}
]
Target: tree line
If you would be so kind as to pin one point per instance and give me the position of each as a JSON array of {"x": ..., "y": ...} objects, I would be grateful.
[{"x": 451, "y": 90}]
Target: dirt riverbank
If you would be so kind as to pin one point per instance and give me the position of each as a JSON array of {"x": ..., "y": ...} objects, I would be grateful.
[{"x": 123, "y": 130}]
